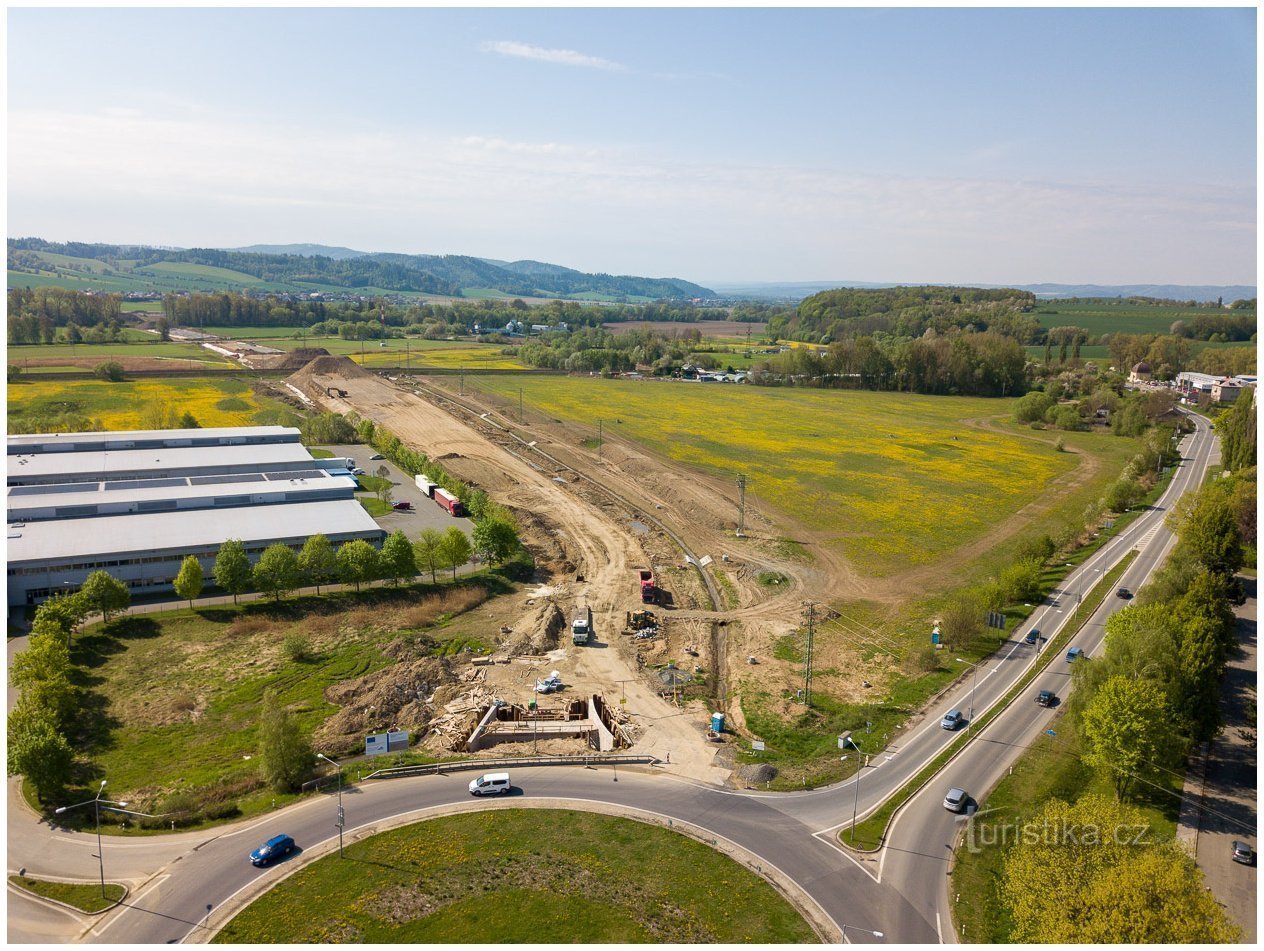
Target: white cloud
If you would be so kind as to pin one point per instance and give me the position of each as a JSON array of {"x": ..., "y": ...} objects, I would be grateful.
[
  {"x": 599, "y": 207},
  {"x": 563, "y": 57}
]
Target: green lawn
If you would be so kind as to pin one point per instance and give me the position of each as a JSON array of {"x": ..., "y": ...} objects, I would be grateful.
[
  {"x": 523, "y": 876},
  {"x": 86, "y": 897}
]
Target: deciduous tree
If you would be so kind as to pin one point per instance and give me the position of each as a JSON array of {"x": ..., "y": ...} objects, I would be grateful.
[
  {"x": 429, "y": 551},
  {"x": 495, "y": 538},
  {"x": 232, "y": 568},
  {"x": 105, "y": 593},
  {"x": 456, "y": 548},
  {"x": 277, "y": 572},
  {"x": 358, "y": 562},
  {"x": 285, "y": 753},
  {"x": 318, "y": 561},
  {"x": 397, "y": 558},
  {"x": 1127, "y": 732},
  {"x": 190, "y": 579}
]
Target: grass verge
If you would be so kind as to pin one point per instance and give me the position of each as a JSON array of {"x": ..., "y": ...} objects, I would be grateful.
[
  {"x": 870, "y": 833},
  {"x": 84, "y": 896},
  {"x": 520, "y": 876}
]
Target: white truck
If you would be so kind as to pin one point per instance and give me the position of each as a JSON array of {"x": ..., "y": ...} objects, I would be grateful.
[{"x": 581, "y": 627}]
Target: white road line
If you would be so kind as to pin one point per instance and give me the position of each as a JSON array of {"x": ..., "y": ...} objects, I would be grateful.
[
  {"x": 131, "y": 901},
  {"x": 828, "y": 840}
]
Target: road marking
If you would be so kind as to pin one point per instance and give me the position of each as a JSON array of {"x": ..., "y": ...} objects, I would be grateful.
[
  {"x": 821, "y": 837},
  {"x": 31, "y": 896},
  {"x": 131, "y": 903}
]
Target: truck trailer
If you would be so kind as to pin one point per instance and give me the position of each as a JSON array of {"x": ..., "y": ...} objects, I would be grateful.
[
  {"x": 449, "y": 502},
  {"x": 425, "y": 486},
  {"x": 581, "y": 627}
]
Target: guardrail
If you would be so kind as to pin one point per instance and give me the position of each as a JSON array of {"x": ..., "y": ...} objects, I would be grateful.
[{"x": 430, "y": 769}]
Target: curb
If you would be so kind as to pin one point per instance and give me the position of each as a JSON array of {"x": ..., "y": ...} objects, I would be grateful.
[
  {"x": 72, "y": 908},
  {"x": 817, "y": 918}
]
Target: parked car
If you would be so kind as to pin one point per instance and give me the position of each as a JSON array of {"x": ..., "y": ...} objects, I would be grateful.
[
  {"x": 956, "y": 800},
  {"x": 952, "y": 720},
  {"x": 276, "y": 847},
  {"x": 1033, "y": 635},
  {"x": 1243, "y": 853},
  {"x": 1047, "y": 698},
  {"x": 357, "y": 471},
  {"x": 403, "y": 506},
  {"x": 1075, "y": 653},
  {"x": 376, "y": 456},
  {"x": 1124, "y": 593}
]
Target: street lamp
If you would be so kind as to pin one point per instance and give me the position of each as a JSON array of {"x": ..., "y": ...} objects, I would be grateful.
[
  {"x": 974, "y": 676},
  {"x": 96, "y": 807},
  {"x": 341, "y": 817},
  {"x": 876, "y": 934},
  {"x": 533, "y": 710},
  {"x": 855, "y": 806}
]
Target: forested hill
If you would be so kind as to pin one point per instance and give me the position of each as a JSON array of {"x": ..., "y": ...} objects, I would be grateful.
[
  {"x": 418, "y": 273},
  {"x": 905, "y": 312}
]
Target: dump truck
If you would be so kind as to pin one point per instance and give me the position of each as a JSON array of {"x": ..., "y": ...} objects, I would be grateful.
[
  {"x": 581, "y": 627},
  {"x": 449, "y": 502},
  {"x": 649, "y": 593}
]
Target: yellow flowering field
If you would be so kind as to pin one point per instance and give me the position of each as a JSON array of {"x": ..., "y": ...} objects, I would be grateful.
[
  {"x": 895, "y": 480},
  {"x": 213, "y": 402}
]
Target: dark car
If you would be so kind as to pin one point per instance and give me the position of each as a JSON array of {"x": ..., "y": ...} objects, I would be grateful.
[
  {"x": 376, "y": 456},
  {"x": 276, "y": 847},
  {"x": 1033, "y": 635},
  {"x": 1243, "y": 853},
  {"x": 403, "y": 506},
  {"x": 1124, "y": 593},
  {"x": 1047, "y": 698}
]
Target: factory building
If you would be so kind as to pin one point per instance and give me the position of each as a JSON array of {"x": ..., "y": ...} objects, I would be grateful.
[{"x": 136, "y": 503}]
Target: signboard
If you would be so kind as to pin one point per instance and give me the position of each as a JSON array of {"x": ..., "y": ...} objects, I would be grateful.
[
  {"x": 757, "y": 745},
  {"x": 378, "y": 743}
]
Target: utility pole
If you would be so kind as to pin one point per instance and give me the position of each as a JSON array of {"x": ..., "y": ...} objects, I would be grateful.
[
  {"x": 807, "y": 670},
  {"x": 462, "y": 379},
  {"x": 741, "y": 505},
  {"x": 520, "y": 419},
  {"x": 600, "y": 438}
]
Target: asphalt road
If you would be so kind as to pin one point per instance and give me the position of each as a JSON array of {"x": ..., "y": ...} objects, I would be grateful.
[
  {"x": 902, "y": 892},
  {"x": 1229, "y": 797}
]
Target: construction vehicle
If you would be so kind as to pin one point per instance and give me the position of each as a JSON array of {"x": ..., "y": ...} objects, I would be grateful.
[
  {"x": 649, "y": 594},
  {"x": 332, "y": 391},
  {"x": 582, "y": 627},
  {"x": 640, "y": 620}
]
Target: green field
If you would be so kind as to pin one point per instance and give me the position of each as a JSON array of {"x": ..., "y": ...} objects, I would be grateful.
[
  {"x": 146, "y": 345},
  {"x": 1099, "y": 317},
  {"x": 522, "y": 876},
  {"x": 893, "y": 480}
]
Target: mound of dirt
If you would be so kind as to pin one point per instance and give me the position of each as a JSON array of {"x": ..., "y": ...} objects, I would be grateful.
[
  {"x": 327, "y": 365},
  {"x": 294, "y": 360},
  {"x": 755, "y": 774},
  {"x": 396, "y": 695},
  {"x": 536, "y": 632}
]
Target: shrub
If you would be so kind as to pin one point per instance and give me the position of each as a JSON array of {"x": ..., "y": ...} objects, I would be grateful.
[{"x": 111, "y": 371}]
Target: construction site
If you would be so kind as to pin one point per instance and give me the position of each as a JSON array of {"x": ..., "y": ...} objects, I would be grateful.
[{"x": 626, "y": 536}]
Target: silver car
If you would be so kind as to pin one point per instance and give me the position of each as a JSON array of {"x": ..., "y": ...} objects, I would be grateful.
[{"x": 956, "y": 800}]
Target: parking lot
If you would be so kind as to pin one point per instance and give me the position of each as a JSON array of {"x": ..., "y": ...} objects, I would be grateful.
[{"x": 425, "y": 513}]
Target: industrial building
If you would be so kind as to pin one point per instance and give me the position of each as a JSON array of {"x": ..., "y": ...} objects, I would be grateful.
[{"x": 137, "y": 503}]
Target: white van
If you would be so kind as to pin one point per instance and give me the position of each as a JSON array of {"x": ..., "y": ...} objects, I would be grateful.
[{"x": 490, "y": 784}]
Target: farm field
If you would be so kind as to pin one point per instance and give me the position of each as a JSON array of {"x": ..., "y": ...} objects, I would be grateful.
[
  {"x": 512, "y": 874},
  {"x": 213, "y": 402},
  {"x": 892, "y": 480},
  {"x": 144, "y": 346},
  {"x": 1099, "y": 318},
  {"x": 1101, "y": 352}
]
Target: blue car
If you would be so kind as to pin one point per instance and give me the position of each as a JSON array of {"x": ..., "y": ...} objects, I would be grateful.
[
  {"x": 276, "y": 847},
  {"x": 1075, "y": 653}
]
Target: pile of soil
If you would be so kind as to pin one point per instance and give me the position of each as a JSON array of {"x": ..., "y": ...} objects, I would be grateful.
[
  {"x": 755, "y": 774},
  {"x": 294, "y": 360},
  {"x": 396, "y": 694},
  {"x": 537, "y": 631}
]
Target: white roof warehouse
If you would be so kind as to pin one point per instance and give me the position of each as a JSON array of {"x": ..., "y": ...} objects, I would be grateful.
[{"x": 138, "y": 511}]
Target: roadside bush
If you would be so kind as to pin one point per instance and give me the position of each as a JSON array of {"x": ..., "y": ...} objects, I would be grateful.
[
  {"x": 110, "y": 371},
  {"x": 298, "y": 648}
]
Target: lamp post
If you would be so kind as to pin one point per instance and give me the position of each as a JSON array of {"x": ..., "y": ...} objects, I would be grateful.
[
  {"x": 855, "y": 806},
  {"x": 96, "y": 808},
  {"x": 533, "y": 709},
  {"x": 974, "y": 676},
  {"x": 876, "y": 934},
  {"x": 341, "y": 818}
]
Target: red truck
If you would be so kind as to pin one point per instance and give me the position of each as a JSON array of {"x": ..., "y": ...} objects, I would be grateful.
[
  {"x": 649, "y": 594},
  {"x": 449, "y": 502}
]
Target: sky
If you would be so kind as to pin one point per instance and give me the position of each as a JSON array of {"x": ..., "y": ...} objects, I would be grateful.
[{"x": 716, "y": 145}]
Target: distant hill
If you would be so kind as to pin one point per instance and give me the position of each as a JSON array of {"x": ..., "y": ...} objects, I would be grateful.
[
  {"x": 35, "y": 262},
  {"x": 302, "y": 250},
  {"x": 1181, "y": 292}
]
